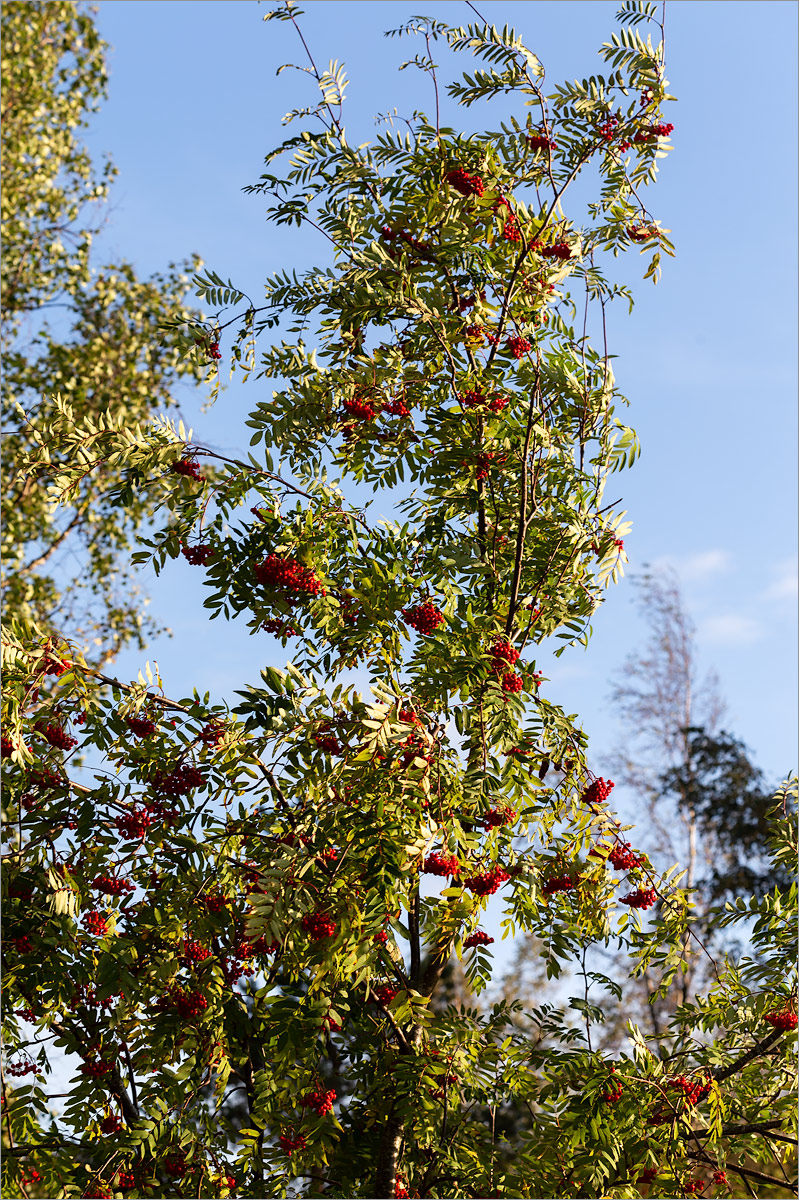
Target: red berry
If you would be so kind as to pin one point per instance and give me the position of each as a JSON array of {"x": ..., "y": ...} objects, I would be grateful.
[
  {"x": 463, "y": 182},
  {"x": 318, "y": 926},
  {"x": 384, "y": 994},
  {"x": 199, "y": 555},
  {"x": 496, "y": 817},
  {"x": 518, "y": 346},
  {"x": 641, "y": 898},
  {"x": 440, "y": 864},
  {"x": 93, "y": 922},
  {"x": 424, "y": 618},
  {"x": 559, "y": 883},
  {"x": 110, "y": 1124},
  {"x": 622, "y": 857},
  {"x": 597, "y": 791},
  {"x": 486, "y": 883},
  {"x": 559, "y": 250},
  {"x": 512, "y": 683},
  {"x": 320, "y": 1102},
  {"x": 720, "y": 1179},
  {"x": 56, "y": 735},
  {"x": 288, "y": 1142},
  {"x": 281, "y": 573},
  {"x": 478, "y": 938},
  {"x": 142, "y": 726},
  {"x": 783, "y": 1019},
  {"x": 187, "y": 467}
]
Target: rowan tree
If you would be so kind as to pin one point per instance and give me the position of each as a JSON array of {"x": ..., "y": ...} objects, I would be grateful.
[
  {"x": 226, "y": 907},
  {"x": 91, "y": 333}
]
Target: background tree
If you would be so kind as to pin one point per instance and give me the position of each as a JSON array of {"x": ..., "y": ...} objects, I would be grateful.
[
  {"x": 232, "y": 901},
  {"x": 94, "y": 335}
]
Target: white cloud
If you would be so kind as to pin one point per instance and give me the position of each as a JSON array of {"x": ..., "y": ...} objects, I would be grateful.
[
  {"x": 695, "y": 568},
  {"x": 730, "y": 629},
  {"x": 786, "y": 584}
]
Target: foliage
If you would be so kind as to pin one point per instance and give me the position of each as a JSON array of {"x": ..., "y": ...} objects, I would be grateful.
[
  {"x": 236, "y": 908},
  {"x": 92, "y": 335}
]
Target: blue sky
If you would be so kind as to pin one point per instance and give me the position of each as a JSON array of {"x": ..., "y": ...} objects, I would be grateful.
[{"x": 707, "y": 358}]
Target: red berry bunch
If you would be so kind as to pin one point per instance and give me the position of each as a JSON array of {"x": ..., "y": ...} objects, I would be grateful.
[
  {"x": 720, "y": 1179},
  {"x": 125, "y": 1180},
  {"x": 328, "y": 743},
  {"x": 93, "y": 922},
  {"x": 641, "y": 898},
  {"x": 504, "y": 654},
  {"x": 400, "y": 1190},
  {"x": 613, "y": 1093},
  {"x": 95, "y": 1066},
  {"x": 25, "y": 1066},
  {"x": 212, "y": 733},
  {"x": 320, "y": 1102},
  {"x": 56, "y": 735},
  {"x": 478, "y": 938},
  {"x": 199, "y": 555},
  {"x": 651, "y": 132},
  {"x": 27, "y": 1014},
  {"x": 215, "y": 902},
  {"x": 692, "y": 1089},
  {"x": 381, "y": 937},
  {"x": 175, "y": 1164},
  {"x": 512, "y": 683},
  {"x": 397, "y": 408},
  {"x": 180, "y": 781},
  {"x": 6, "y": 746},
  {"x": 112, "y": 885},
  {"x": 559, "y": 250},
  {"x": 359, "y": 408},
  {"x": 385, "y": 993},
  {"x": 408, "y": 717},
  {"x": 695, "y": 1187},
  {"x": 110, "y": 1124},
  {"x": 318, "y": 926},
  {"x": 282, "y": 628},
  {"x": 783, "y": 1019},
  {"x": 558, "y": 883},
  {"x": 441, "y": 864},
  {"x": 22, "y": 945},
  {"x": 133, "y": 824},
  {"x": 53, "y": 666},
  {"x": 607, "y": 129},
  {"x": 539, "y": 141},
  {"x": 187, "y": 467},
  {"x": 598, "y": 791},
  {"x": 214, "y": 351},
  {"x": 289, "y": 1143},
  {"x": 640, "y": 233},
  {"x": 142, "y": 726},
  {"x": 278, "y": 571},
  {"x": 98, "y": 1191},
  {"x": 186, "y": 1002},
  {"x": 486, "y": 883},
  {"x": 194, "y": 952},
  {"x": 463, "y": 182},
  {"x": 424, "y": 618},
  {"x": 518, "y": 346},
  {"x": 622, "y": 857},
  {"x": 496, "y": 817}
]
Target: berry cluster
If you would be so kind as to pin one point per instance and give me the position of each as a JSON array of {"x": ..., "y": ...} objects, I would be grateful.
[
  {"x": 641, "y": 233},
  {"x": 215, "y": 902},
  {"x": 385, "y": 993},
  {"x": 381, "y": 937},
  {"x": 622, "y": 857},
  {"x": 318, "y": 926},
  {"x": 25, "y": 1066},
  {"x": 400, "y": 1190},
  {"x": 22, "y": 945},
  {"x": 142, "y": 726},
  {"x": 53, "y": 666},
  {"x": 614, "y": 1091},
  {"x": 559, "y": 250},
  {"x": 539, "y": 141},
  {"x": 199, "y": 555},
  {"x": 320, "y": 1102},
  {"x": 290, "y": 1142},
  {"x": 478, "y": 938},
  {"x": 512, "y": 683},
  {"x": 496, "y": 817},
  {"x": 214, "y": 351},
  {"x": 397, "y": 408},
  {"x": 280, "y": 627},
  {"x": 692, "y": 1089},
  {"x": 463, "y": 182},
  {"x": 125, "y": 1180},
  {"x": 641, "y": 898},
  {"x": 6, "y": 746},
  {"x": 651, "y": 133},
  {"x": 96, "y": 1067},
  {"x": 111, "y": 885},
  {"x": 133, "y": 824},
  {"x": 695, "y": 1187},
  {"x": 277, "y": 571},
  {"x": 424, "y": 618},
  {"x": 110, "y": 1124},
  {"x": 511, "y": 231},
  {"x": 441, "y": 864},
  {"x": 194, "y": 952},
  {"x": 486, "y": 883},
  {"x": 360, "y": 409},
  {"x": 558, "y": 883},
  {"x": 175, "y": 1164},
  {"x": 212, "y": 733},
  {"x": 504, "y": 654},
  {"x": 518, "y": 346},
  {"x": 720, "y": 1179},
  {"x": 783, "y": 1019},
  {"x": 179, "y": 781},
  {"x": 328, "y": 743},
  {"x": 475, "y": 399},
  {"x": 56, "y": 735},
  {"x": 93, "y": 922},
  {"x": 27, "y": 1014},
  {"x": 598, "y": 791},
  {"x": 187, "y": 1003},
  {"x": 187, "y": 467},
  {"x": 98, "y": 1191}
]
